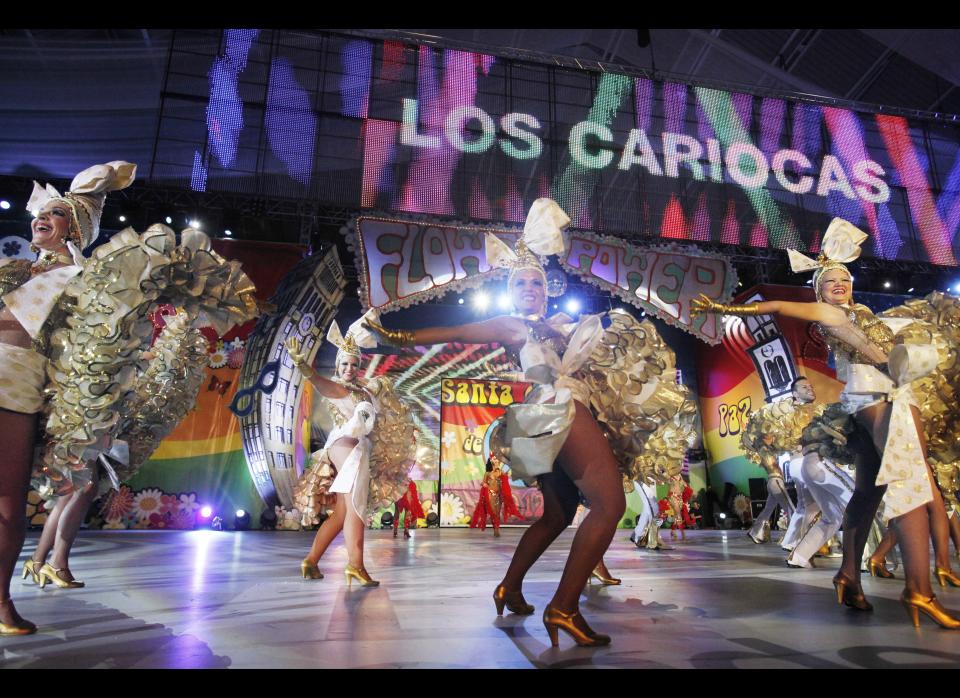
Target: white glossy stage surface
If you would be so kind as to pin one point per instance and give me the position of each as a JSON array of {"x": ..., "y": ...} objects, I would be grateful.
[{"x": 209, "y": 599}]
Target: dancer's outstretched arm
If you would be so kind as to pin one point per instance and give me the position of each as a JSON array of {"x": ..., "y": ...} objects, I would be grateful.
[
  {"x": 504, "y": 329},
  {"x": 825, "y": 314}
]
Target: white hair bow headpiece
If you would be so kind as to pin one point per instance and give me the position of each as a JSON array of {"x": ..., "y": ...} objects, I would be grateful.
[
  {"x": 841, "y": 245},
  {"x": 357, "y": 336},
  {"x": 542, "y": 235}
]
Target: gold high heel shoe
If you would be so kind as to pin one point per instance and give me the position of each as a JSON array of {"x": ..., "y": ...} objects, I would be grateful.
[
  {"x": 602, "y": 575},
  {"x": 60, "y": 577},
  {"x": 914, "y": 603},
  {"x": 850, "y": 593},
  {"x": 947, "y": 576},
  {"x": 513, "y": 600},
  {"x": 310, "y": 570},
  {"x": 573, "y": 625},
  {"x": 360, "y": 575},
  {"x": 879, "y": 569},
  {"x": 19, "y": 627},
  {"x": 30, "y": 567}
]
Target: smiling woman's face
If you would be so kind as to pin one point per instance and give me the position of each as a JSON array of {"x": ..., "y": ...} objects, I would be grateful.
[
  {"x": 528, "y": 291},
  {"x": 348, "y": 368},
  {"x": 51, "y": 226},
  {"x": 836, "y": 287}
]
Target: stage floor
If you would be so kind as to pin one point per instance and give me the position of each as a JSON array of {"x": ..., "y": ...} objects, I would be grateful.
[{"x": 210, "y": 599}]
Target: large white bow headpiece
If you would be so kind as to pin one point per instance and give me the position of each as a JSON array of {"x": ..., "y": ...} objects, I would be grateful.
[
  {"x": 542, "y": 235},
  {"x": 357, "y": 335},
  {"x": 86, "y": 196},
  {"x": 841, "y": 245}
]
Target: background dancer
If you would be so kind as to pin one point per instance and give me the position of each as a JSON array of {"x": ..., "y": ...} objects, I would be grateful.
[{"x": 365, "y": 461}]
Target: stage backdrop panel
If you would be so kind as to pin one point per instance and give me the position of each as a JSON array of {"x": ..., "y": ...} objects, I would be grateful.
[
  {"x": 468, "y": 411},
  {"x": 757, "y": 362}
]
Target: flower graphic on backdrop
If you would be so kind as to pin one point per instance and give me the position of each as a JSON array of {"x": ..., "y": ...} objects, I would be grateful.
[
  {"x": 449, "y": 439},
  {"x": 188, "y": 503},
  {"x": 168, "y": 503},
  {"x": 235, "y": 353},
  {"x": 218, "y": 357},
  {"x": 160, "y": 520},
  {"x": 12, "y": 248},
  {"x": 184, "y": 520},
  {"x": 118, "y": 505},
  {"x": 451, "y": 508},
  {"x": 146, "y": 502}
]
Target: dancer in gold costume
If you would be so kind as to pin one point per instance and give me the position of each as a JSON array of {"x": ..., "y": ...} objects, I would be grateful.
[
  {"x": 879, "y": 360},
  {"x": 587, "y": 417},
  {"x": 366, "y": 459}
]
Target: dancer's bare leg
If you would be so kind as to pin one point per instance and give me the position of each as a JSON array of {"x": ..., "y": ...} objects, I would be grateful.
[
  {"x": 955, "y": 531},
  {"x": 560, "y": 499},
  {"x": 886, "y": 545},
  {"x": 338, "y": 451},
  {"x": 912, "y": 528},
  {"x": 19, "y": 432},
  {"x": 353, "y": 529},
  {"x": 48, "y": 536},
  {"x": 69, "y": 525},
  {"x": 328, "y": 530},
  {"x": 586, "y": 458}
]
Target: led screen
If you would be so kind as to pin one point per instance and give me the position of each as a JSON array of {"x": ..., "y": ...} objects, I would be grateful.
[{"x": 381, "y": 125}]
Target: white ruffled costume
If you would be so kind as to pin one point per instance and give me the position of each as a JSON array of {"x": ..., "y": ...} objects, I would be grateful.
[{"x": 374, "y": 473}]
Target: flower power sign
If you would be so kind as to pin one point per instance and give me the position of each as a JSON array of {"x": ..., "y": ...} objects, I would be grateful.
[{"x": 403, "y": 262}]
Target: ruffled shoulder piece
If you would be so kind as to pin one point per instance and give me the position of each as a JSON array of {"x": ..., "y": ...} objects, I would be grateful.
[
  {"x": 936, "y": 321},
  {"x": 634, "y": 395},
  {"x": 828, "y": 434},
  {"x": 776, "y": 428},
  {"x": 162, "y": 394},
  {"x": 108, "y": 328},
  {"x": 393, "y": 445}
]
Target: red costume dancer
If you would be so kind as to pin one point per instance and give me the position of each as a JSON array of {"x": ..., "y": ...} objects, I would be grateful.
[
  {"x": 676, "y": 503},
  {"x": 409, "y": 503},
  {"x": 496, "y": 499}
]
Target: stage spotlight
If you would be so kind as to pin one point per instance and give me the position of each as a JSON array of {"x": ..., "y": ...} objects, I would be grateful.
[
  {"x": 268, "y": 519},
  {"x": 5, "y": 205},
  {"x": 228, "y": 232},
  {"x": 386, "y": 521},
  {"x": 503, "y": 301},
  {"x": 808, "y": 282},
  {"x": 572, "y": 306},
  {"x": 460, "y": 301},
  {"x": 123, "y": 219},
  {"x": 886, "y": 284},
  {"x": 555, "y": 306},
  {"x": 241, "y": 520},
  {"x": 481, "y": 301},
  {"x": 206, "y": 512},
  {"x": 910, "y": 290},
  {"x": 194, "y": 223},
  {"x": 169, "y": 220}
]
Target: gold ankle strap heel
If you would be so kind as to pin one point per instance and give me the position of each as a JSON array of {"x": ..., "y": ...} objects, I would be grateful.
[
  {"x": 310, "y": 570},
  {"x": 914, "y": 603},
  {"x": 513, "y": 600},
  {"x": 573, "y": 625},
  {"x": 361, "y": 575},
  {"x": 60, "y": 577},
  {"x": 946, "y": 576}
]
